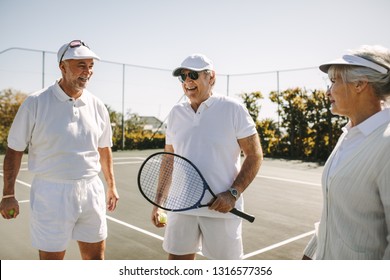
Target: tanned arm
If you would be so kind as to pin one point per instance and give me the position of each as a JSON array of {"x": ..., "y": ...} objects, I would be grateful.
[
  {"x": 11, "y": 167},
  {"x": 250, "y": 166},
  {"x": 108, "y": 172}
]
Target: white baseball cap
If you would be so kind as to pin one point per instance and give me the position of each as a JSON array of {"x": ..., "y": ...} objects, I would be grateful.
[
  {"x": 195, "y": 62},
  {"x": 76, "y": 49},
  {"x": 354, "y": 60}
]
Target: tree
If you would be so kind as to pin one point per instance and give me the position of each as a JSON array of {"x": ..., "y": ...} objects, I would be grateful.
[
  {"x": 267, "y": 130},
  {"x": 325, "y": 128},
  {"x": 10, "y": 101},
  {"x": 310, "y": 129},
  {"x": 292, "y": 106},
  {"x": 116, "y": 125},
  {"x": 252, "y": 103}
]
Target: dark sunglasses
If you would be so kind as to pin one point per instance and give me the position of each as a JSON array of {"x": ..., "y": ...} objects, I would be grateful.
[
  {"x": 193, "y": 75},
  {"x": 73, "y": 44}
]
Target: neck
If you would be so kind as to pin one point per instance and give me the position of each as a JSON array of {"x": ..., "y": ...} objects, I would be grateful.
[
  {"x": 70, "y": 91},
  {"x": 364, "y": 104},
  {"x": 364, "y": 113},
  {"x": 195, "y": 103}
]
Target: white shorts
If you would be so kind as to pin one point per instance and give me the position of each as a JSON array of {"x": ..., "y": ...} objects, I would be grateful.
[
  {"x": 62, "y": 210},
  {"x": 216, "y": 238}
]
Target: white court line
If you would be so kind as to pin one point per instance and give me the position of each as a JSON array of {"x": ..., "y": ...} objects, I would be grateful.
[
  {"x": 135, "y": 228},
  {"x": 115, "y": 163},
  {"x": 274, "y": 246},
  {"x": 288, "y": 180},
  {"x": 120, "y": 158},
  {"x": 258, "y": 252},
  {"x": 271, "y": 247},
  {"x": 128, "y": 162},
  {"x": 20, "y": 182},
  {"x": 108, "y": 217}
]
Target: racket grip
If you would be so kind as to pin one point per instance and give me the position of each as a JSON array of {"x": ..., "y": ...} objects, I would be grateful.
[{"x": 243, "y": 215}]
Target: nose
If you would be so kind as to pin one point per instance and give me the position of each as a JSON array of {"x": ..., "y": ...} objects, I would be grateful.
[
  {"x": 88, "y": 72},
  {"x": 328, "y": 90}
]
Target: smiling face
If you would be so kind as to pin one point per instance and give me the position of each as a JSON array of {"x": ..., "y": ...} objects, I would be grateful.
[
  {"x": 75, "y": 75},
  {"x": 200, "y": 89}
]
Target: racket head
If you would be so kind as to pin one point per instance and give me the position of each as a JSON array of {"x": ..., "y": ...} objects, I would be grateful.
[{"x": 171, "y": 182}]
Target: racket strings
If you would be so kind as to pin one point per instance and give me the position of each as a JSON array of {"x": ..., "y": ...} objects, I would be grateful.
[{"x": 171, "y": 182}]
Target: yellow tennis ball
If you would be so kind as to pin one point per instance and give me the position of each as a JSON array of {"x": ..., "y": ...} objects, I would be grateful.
[
  {"x": 162, "y": 218},
  {"x": 11, "y": 212}
]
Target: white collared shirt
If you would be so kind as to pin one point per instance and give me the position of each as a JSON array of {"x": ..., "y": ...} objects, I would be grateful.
[
  {"x": 62, "y": 134},
  {"x": 352, "y": 137},
  {"x": 209, "y": 138}
]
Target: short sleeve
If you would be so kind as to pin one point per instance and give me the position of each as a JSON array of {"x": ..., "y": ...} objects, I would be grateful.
[{"x": 19, "y": 135}]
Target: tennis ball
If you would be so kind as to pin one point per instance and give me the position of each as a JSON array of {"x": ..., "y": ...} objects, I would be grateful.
[
  {"x": 11, "y": 212},
  {"x": 162, "y": 218}
]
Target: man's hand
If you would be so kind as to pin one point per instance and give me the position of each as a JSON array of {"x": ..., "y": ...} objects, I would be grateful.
[
  {"x": 9, "y": 208},
  {"x": 223, "y": 203}
]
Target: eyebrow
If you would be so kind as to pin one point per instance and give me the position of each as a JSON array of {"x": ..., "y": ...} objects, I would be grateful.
[{"x": 83, "y": 63}]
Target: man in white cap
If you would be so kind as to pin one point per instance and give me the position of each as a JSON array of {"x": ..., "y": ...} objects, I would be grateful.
[
  {"x": 211, "y": 131},
  {"x": 68, "y": 134}
]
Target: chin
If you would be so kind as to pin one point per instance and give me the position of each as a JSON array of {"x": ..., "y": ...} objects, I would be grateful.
[{"x": 82, "y": 85}]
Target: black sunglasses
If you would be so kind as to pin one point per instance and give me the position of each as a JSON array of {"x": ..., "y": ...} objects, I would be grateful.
[
  {"x": 193, "y": 75},
  {"x": 73, "y": 44}
]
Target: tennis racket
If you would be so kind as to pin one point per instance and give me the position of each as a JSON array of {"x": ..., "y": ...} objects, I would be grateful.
[{"x": 173, "y": 183}]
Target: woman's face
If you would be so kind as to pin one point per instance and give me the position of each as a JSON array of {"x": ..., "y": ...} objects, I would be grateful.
[{"x": 341, "y": 97}]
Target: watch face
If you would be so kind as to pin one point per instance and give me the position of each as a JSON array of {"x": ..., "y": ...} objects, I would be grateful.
[{"x": 234, "y": 192}]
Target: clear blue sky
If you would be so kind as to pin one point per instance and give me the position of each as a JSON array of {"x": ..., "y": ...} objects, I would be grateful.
[{"x": 240, "y": 36}]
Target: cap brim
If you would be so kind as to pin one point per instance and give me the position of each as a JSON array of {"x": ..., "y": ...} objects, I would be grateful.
[
  {"x": 178, "y": 70},
  {"x": 353, "y": 60},
  {"x": 80, "y": 53},
  {"x": 325, "y": 67}
]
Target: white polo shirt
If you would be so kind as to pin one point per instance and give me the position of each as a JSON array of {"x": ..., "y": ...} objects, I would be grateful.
[
  {"x": 62, "y": 134},
  {"x": 208, "y": 138}
]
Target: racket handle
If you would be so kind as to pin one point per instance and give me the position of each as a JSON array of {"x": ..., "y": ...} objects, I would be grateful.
[{"x": 243, "y": 215}]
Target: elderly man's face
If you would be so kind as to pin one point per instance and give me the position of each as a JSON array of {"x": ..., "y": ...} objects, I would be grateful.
[
  {"x": 77, "y": 72},
  {"x": 199, "y": 89}
]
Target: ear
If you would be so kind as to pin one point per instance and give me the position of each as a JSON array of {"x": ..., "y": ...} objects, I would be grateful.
[
  {"x": 361, "y": 85},
  {"x": 62, "y": 66},
  {"x": 212, "y": 77}
]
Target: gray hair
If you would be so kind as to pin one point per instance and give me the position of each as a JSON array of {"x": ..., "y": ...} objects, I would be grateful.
[{"x": 379, "y": 81}]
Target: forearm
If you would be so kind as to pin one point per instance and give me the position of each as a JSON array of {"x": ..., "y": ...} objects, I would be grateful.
[
  {"x": 251, "y": 164},
  {"x": 248, "y": 172},
  {"x": 11, "y": 167},
  {"x": 108, "y": 172},
  {"x": 107, "y": 166}
]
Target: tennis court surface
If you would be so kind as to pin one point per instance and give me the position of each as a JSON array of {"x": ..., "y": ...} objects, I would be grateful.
[{"x": 285, "y": 198}]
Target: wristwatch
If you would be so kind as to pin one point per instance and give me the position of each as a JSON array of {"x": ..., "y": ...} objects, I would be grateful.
[{"x": 234, "y": 192}]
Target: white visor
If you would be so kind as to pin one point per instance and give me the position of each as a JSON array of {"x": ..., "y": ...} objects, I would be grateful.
[{"x": 354, "y": 60}]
